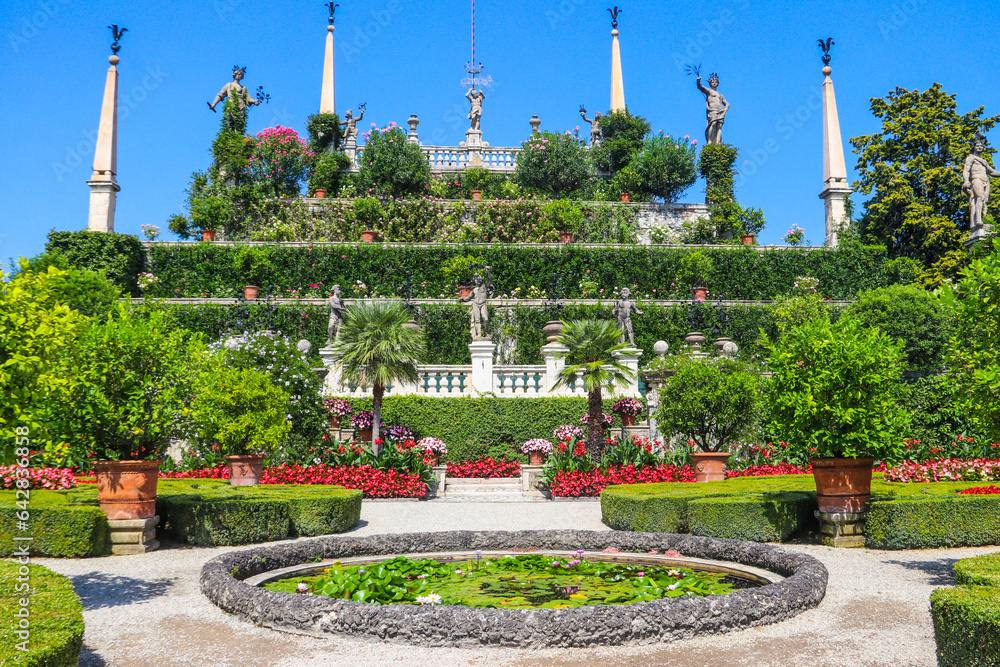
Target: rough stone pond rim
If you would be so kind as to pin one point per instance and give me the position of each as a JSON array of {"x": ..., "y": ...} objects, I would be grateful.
[{"x": 222, "y": 581}]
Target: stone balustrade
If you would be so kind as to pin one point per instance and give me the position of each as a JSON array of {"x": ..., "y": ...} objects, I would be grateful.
[{"x": 451, "y": 159}]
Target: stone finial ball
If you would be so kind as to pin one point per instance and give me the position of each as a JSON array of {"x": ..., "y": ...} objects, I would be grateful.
[
  {"x": 614, "y": 33},
  {"x": 730, "y": 349},
  {"x": 827, "y": 71},
  {"x": 304, "y": 346},
  {"x": 660, "y": 348},
  {"x": 114, "y": 60}
]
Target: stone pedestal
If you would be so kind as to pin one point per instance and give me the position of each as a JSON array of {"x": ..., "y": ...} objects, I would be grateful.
[
  {"x": 132, "y": 537},
  {"x": 103, "y": 198},
  {"x": 351, "y": 150},
  {"x": 474, "y": 139},
  {"x": 441, "y": 479},
  {"x": 531, "y": 482},
  {"x": 841, "y": 529},
  {"x": 630, "y": 357},
  {"x": 332, "y": 382},
  {"x": 978, "y": 235},
  {"x": 553, "y": 366},
  {"x": 482, "y": 366}
]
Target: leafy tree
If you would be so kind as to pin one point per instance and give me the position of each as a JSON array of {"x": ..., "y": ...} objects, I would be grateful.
[
  {"x": 240, "y": 409},
  {"x": 713, "y": 402},
  {"x": 391, "y": 165},
  {"x": 910, "y": 315},
  {"x": 590, "y": 352},
  {"x": 374, "y": 347},
  {"x": 666, "y": 166},
  {"x": 552, "y": 163},
  {"x": 831, "y": 392},
  {"x": 912, "y": 172},
  {"x": 623, "y": 137},
  {"x": 87, "y": 292}
]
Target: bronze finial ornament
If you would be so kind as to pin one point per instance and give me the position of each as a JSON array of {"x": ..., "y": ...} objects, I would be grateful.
[
  {"x": 826, "y": 50},
  {"x": 614, "y": 17},
  {"x": 333, "y": 9},
  {"x": 117, "y": 35}
]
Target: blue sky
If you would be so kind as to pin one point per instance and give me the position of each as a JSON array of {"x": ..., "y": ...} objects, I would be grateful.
[{"x": 403, "y": 57}]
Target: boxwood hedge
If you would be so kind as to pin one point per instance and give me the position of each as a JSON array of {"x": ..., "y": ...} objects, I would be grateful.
[
  {"x": 933, "y": 521},
  {"x": 56, "y": 618},
  {"x": 57, "y": 528},
  {"x": 120, "y": 256},
  {"x": 967, "y": 617}
]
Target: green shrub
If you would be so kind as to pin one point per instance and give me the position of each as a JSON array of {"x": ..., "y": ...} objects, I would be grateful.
[
  {"x": 121, "y": 256},
  {"x": 330, "y": 173},
  {"x": 56, "y": 618},
  {"x": 933, "y": 522},
  {"x": 563, "y": 215},
  {"x": 57, "y": 531},
  {"x": 623, "y": 137},
  {"x": 666, "y": 166},
  {"x": 695, "y": 269},
  {"x": 555, "y": 164},
  {"x": 88, "y": 292},
  {"x": 907, "y": 314},
  {"x": 325, "y": 132},
  {"x": 391, "y": 165},
  {"x": 756, "y": 518},
  {"x": 967, "y": 617}
]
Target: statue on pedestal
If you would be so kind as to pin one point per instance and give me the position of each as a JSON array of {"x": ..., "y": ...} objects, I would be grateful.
[
  {"x": 976, "y": 183},
  {"x": 337, "y": 309},
  {"x": 623, "y": 313},
  {"x": 596, "y": 133},
  {"x": 480, "y": 296},
  {"x": 238, "y": 91},
  {"x": 350, "y": 124},
  {"x": 475, "y": 98},
  {"x": 715, "y": 104}
]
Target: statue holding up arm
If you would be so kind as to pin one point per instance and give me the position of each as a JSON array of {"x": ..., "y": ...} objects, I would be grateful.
[
  {"x": 475, "y": 98},
  {"x": 235, "y": 87},
  {"x": 350, "y": 124},
  {"x": 976, "y": 182},
  {"x": 623, "y": 310},
  {"x": 337, "y": 309},
  {"x": 481, "y": 293},
  {"x": 716, "y": 107},
  {"x": 596, "y": 133}
]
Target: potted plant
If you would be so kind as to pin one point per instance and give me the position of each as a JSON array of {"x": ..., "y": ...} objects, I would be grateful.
[
  {"x": 628, "y": 409},
  {"x": 363, "y": 422},
  {"x": 536, "y": 449},
  {"x": 832, "y": 400},
  {"x": 319, "y": 193},
  {"x": 131, "y": 379},
  {"x": 243, "y": 412},
  {"x": 368, "y": 213},
  {"x": 433, "y": 449},
  {"x": 564, "y": 216},
  {"x": 460, "y": 270},
  {"x": 693, "y": 271},
  {"x": 252, "y": 264},
  {"x": 752, "y": 223},
  {"x": 477, "y": 195},
  {"x": 712, "y": 403},
  {"x": 338, "y": 409},
  {"x": 208, "y": 235},
  {"x": 627, "y": 182}
]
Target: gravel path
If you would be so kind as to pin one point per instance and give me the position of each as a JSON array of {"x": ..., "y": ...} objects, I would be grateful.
[{"x": 147, "y": 610}]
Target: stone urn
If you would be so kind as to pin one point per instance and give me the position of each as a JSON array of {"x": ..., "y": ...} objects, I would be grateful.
[
  {"x": 536, "y": 458},
  {"x": 842, "y": 485},
  {"x": 250, "y": 292},
  {"x": 477, "y": 195},
  {"x": 552, "y": 330},
  {"x": 464, "y": 291},
  {"x": 747, "y": 239},
  {"x": 695, "y": 340},
  {"x": 626, "y": 197},
  {"x": 368, "y": 236},
  {"x": 319, "y": 193},
  {"x": 565, "y": 237},
  {"x": 720, "y": 344},
  {"x": 208, "y": 235},
  {"x": 245, "y": 470},
  {"x": 126, "y": 490},
  {"x": 709, "y": 466},
  {"x": 699, "y": 293}
]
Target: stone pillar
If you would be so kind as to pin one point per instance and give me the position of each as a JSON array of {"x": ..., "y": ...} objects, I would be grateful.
[
  {"x": 103, "y": 182},
  {"x": 482, "y": 366},
  {"x": 413, "y": 121},
  {"x": 131, "y": 537},
  {"x": 617, "y": 82},
  {"x": 332, "y": 385},
  {"x": 630, "y": 357},
  {"x": 653, "y": 384},
  {"x": 328, "y": 100},
  {"x": 835, "y": 185},
  {"x": 553, "y": 366}
]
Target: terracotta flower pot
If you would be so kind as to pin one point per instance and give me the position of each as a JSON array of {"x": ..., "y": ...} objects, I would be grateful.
[
  {"x": 628, "y": 420},
  {"x": 319, "y": 194},
  {"x": 746, "y": 239},
  {"x": 464, "y": 291},
  {"x": 710, "y": 466},
  {"x": 565, "y": 237},
  {"x": 626, "y": 197},
  {"x": 699, "y": 293},
  {"x": 126, "y": 490},
  {"x": 477, "y": 195},
  {"x": 536, "y": 458},
  {"x": 250, "y": 291},
  {"x": 368, "y": 236},
  {"x": 208, "y": 235},
  {"x": 551, "y": 330},
  {"x": 334, "y": 422},
  {"x": 245, "y": 470},
  {"x": 365, "y": 435},
  {"x": 842, "y": 485},
  {"x": 433, "y": 457}
]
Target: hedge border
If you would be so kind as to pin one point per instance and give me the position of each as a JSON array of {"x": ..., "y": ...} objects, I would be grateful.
[
  {"x": 967, "y": 617},
  {"x": 637, "y": 623},
  {"x": 56, "y": 618},
  {"x": 930, "y": 522},
  {"x": 64, "y": 531}
]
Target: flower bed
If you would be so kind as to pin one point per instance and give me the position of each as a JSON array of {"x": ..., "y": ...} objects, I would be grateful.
[
  {"x": 980, "y": 490},
  {"x": 221, "y": 472},
  {"x": 768, "y": 470},
  {"x": 38, "y": 478},
  {"x": 372, "y": 482},
  {"x": 946, "y": 470},
  {"x": 486, "y": 468},
  {"x": 576, "y": 484}
]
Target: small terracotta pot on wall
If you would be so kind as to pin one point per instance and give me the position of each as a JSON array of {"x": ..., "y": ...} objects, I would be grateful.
[
  {"x": 477, "y": 195},
  {"x": 245, "y": 470},
  {"x": 319, "y": 194},
  {"x": 126, "y": 490},
  {"x": 747, "y": 239},
  {"x": 368, "y": 236},
  {"x": 208, "y": 235},
  {"x": 709, "y": 466},
  {"x": 250, "y": 291},
  {"x": 699, "y": 293},
  {"x": 536, "y": 458},
  {"x": 842, "y": 485},
  {"x": 626, "y": 198},
  {"x": 565, "y": 237},
  {"x": 464, "y": 291},
  {"x": 628, "y": 420}
]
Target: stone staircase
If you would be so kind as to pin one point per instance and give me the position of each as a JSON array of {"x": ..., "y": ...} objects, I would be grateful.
[{"x": 496, "y": 490}]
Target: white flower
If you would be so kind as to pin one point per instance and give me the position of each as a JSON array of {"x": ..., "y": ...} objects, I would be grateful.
[{"x": 431, "y": 599}]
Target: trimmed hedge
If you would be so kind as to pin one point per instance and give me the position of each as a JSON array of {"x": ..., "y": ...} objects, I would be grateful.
[
  {"x": 58, "y": 529},
  {"x": 56, "y": 618},
  {"x": 933, "y": 521},
  {"x": 120, "y": 256},
  {"x": 190, "y": 270},
  {"x": 756, "y": 518},
  {"x": 211, "y": 513},
  {"x": 967, "y": 617}
]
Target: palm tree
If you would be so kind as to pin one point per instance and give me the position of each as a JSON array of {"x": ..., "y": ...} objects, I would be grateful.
[
  {"x": 373, "y": 347},
  {"x": 591, "y": 347}
]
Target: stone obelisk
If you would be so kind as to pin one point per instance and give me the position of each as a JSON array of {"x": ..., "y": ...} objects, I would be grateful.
[
  {"x": 617, "y": 83},
  {"x": 103, "y": 183},
  {"x": 328, "y": 102},
  {"x": 835, "y": 185}
]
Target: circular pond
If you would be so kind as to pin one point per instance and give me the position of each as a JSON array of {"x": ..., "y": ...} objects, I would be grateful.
[{"x": 530, "y": 589}]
